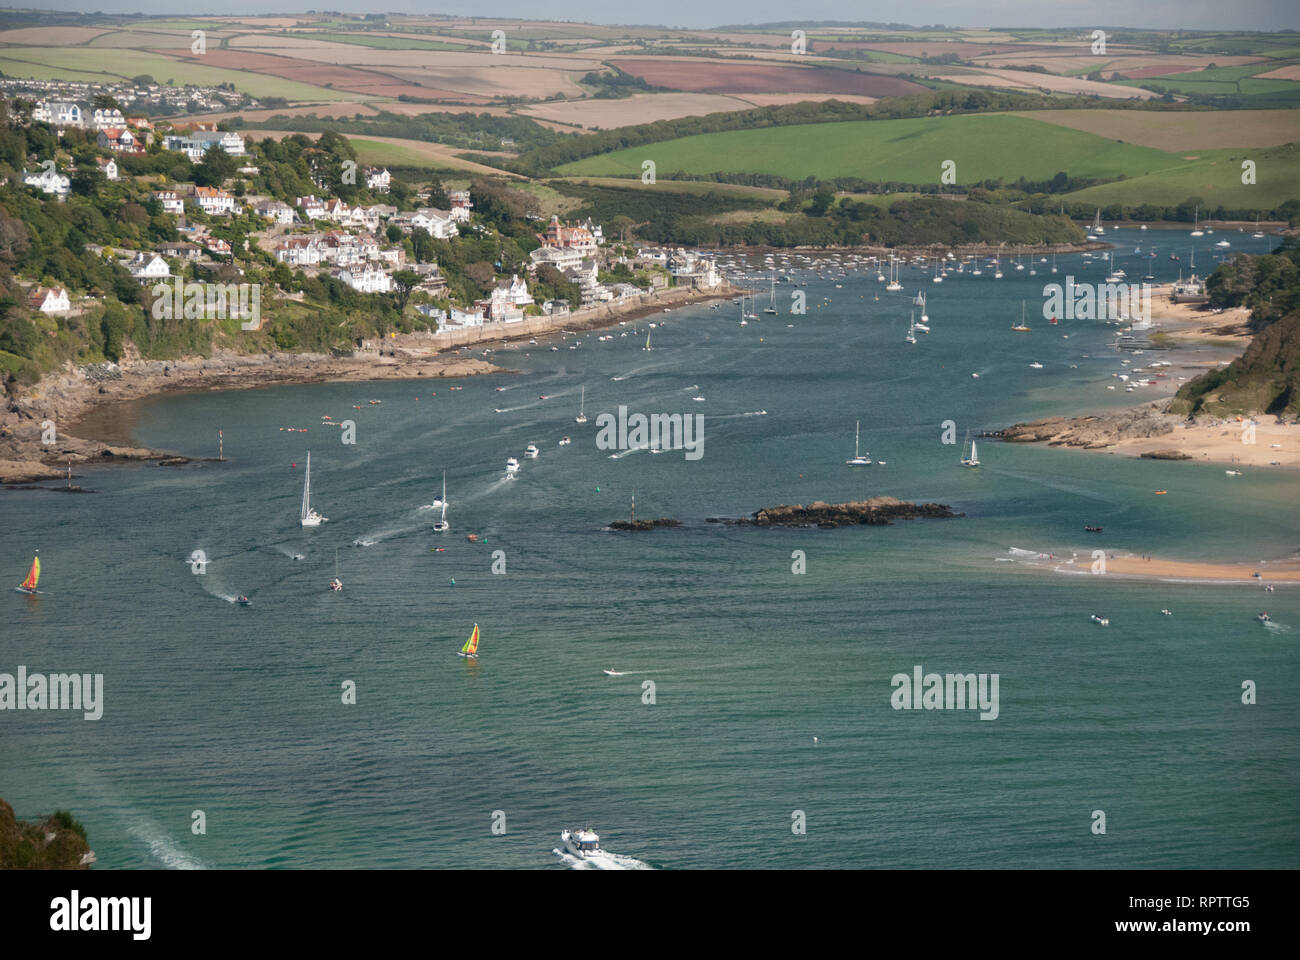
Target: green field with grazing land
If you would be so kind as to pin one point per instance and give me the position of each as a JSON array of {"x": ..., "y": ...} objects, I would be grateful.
[
  {"x": 1215, "y": 178},
  {"x": 983, "y": 147}
]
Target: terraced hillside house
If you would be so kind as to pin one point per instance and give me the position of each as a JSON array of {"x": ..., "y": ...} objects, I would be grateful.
[{"x": 52, "y": 300}]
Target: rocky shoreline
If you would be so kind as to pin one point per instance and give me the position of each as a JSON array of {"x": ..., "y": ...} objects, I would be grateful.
[
  {"x": 80, "y": 402},
  {"x": 876, "y": 511},
  {"x": 45, "y": 431},
  {"x": 1096, "y": 432}
]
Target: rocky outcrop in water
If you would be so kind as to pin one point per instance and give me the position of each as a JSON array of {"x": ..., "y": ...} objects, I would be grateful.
[
  {"x": 56, "y": 842},
  {"x": 877, "y": 511},
  {"x": 638, "y": 525}
]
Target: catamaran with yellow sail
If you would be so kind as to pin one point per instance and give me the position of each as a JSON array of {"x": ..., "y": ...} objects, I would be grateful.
[
  {"x": 28, "y": 586},
  {"x": 470, "y": 650}
]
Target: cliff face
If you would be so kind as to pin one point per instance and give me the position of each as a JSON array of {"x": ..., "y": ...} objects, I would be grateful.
[
  {"x": 56, "y": 842},
  {"x": 1264, "y": 379}
]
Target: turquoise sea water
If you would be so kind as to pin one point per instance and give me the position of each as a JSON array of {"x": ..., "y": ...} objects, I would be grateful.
[{"x": 237, "y": 711}]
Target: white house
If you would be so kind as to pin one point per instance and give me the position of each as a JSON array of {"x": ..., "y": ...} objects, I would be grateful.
[
  {"x": 171, "y": 203},
  {"x": 59, "y": 113},
  {"x": 108, "y": 166},
  {"x": 558, "y": 257},
  {"x": 437, "y": 223},
  {"x": 516, "y": 291},
  {"x": 366, "y": 280},
  {"x": 213, "y": 201},
  {"x": 148, "y": 266},
  {"x": 108, "y": 118},
  {"x": 313, "y": 208},
  {"x": 48, "y": 180},
  {"x": 378, "y": 180},
  {"x": 49, "y": 300},
  {"x": 465, "y": 318},
  {"x": 299, "y": 251},
  {"x": 196, "y": 144},
  {"x": 274, "y": 210}
]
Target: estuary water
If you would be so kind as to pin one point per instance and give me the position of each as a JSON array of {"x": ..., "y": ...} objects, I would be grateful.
[{"x": 239, "y": 712}]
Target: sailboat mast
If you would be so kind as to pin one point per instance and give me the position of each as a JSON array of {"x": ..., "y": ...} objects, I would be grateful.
[{"x": 306, "y": 489}]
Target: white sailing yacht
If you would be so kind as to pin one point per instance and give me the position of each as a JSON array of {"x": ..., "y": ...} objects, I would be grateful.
[
  {"x": 772, "y": 307},
  {"x": 859, "y": 460},
  {"x": 582, "y": 406},
  {"x": 1196, "y": 224},
  {"x": 1097, "y": 228},
  {"x": 310, "y": 518},
  {"x": 1258, "y": 234},
  {"x": 440, "y": 525},
  {"x": 893, "y": 275},
  {"x": 911, "y": 329},
  {"x": 973, "y": 460}
]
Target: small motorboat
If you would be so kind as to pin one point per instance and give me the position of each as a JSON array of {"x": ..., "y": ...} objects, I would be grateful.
[
  {"x": 336, "y": 585},
  {"x": 1036, "y": 365},
  {"x": 531, "y": 451},
  {"x": 583, "y": 844},
  {"x": 512, "y": 466},
  {"x": 1264, "y": 617},
  {"x": 613, "y": 673},
  {"x": 1103, "y": 621},
  {"x": 1167, "y": 612},
  {"x": 472, "y": 537},
  {"x": 1161, "y": 493},
  {"x": 243, "y": 601},
  {"x": 565, "y": 441},
  {"x": 1092, "y": 529}
]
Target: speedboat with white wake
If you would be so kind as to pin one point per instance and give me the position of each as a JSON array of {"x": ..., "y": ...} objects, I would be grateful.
[
  {"x": 614, "y": 673},
  {"x": 581, "y": 850}
]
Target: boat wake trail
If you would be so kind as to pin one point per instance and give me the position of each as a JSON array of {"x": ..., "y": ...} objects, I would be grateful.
[
  {"x": 162, "y": 849},
  {"x": 1276, "y": 627}
]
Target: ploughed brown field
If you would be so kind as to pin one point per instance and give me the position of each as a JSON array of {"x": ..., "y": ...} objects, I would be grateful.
[
  {"x": 706, "y": 77},
  {"x": 303, "y": 71}
]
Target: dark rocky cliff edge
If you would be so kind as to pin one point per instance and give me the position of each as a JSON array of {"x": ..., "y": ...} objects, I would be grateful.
[{"x": 56, "y": 842}]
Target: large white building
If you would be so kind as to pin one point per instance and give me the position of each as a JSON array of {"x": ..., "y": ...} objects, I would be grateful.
[
  {"x": 48, "y": 180},
  {"x": 437, "y": 223},
  {"x": 366, "y": 279}
]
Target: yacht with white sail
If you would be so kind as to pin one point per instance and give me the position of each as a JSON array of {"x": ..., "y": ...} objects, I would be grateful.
[
  {"x": 582, "y": 405},
  {"x": 440, "y": 525},
  {"x": 310, "y": 518},
  {"x": 974, "y": 459},
  {"x": 859, "y": 459}
]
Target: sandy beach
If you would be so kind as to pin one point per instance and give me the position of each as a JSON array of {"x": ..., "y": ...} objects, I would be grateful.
[{"x": 1269, "y": 571}]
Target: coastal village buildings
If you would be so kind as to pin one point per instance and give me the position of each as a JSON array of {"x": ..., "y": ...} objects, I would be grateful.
[
  {"x": 195, "y": 144},
  {"x": 378, "y": 180},
  {"x": 107, "y": 166}
]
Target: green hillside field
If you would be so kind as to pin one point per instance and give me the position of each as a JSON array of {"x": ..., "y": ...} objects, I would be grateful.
[{"x": 984, "y": 147}]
